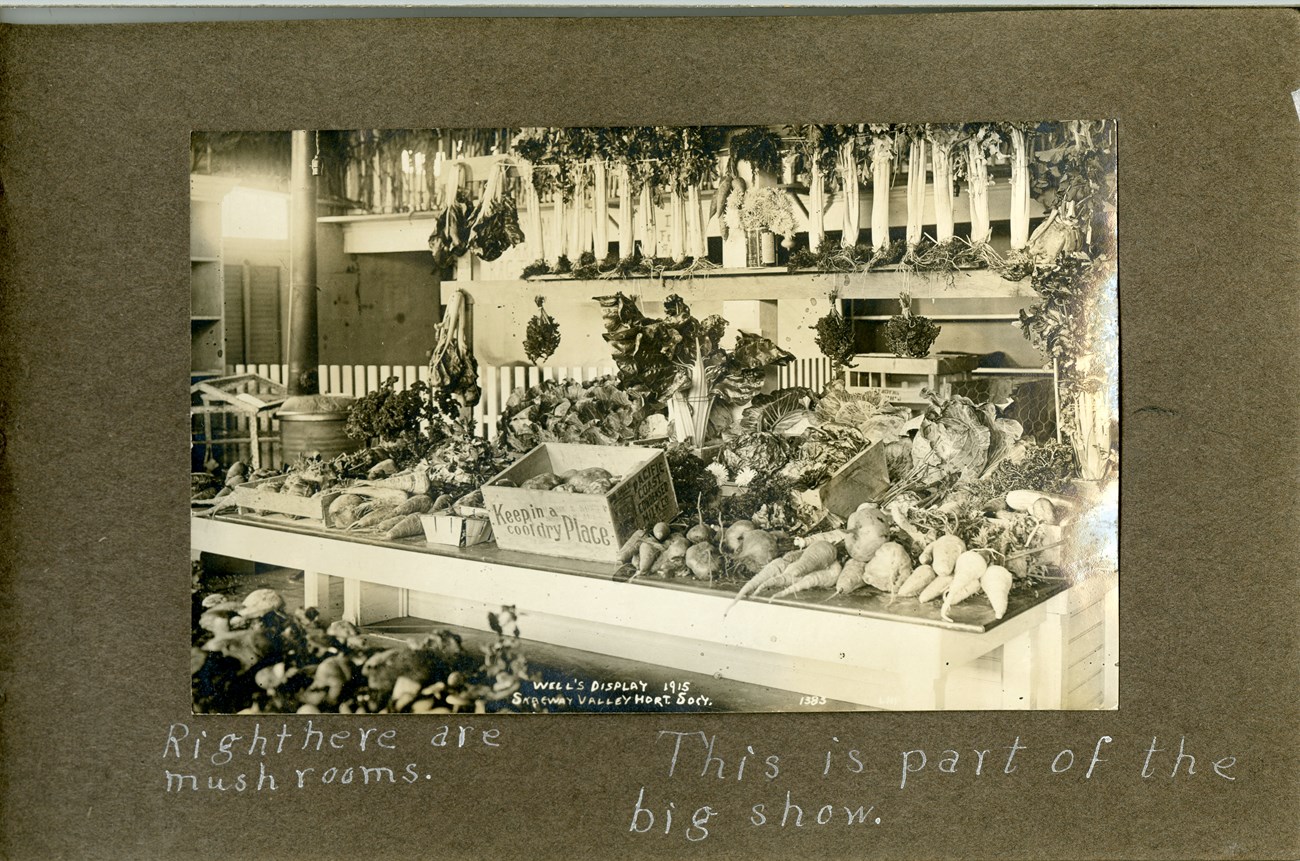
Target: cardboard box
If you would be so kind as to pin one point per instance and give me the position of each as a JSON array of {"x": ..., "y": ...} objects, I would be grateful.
[
  {"x": 455, "y": 530},
  {"x": 263, "y": 495},
  {"x": 580, "y": 525}
]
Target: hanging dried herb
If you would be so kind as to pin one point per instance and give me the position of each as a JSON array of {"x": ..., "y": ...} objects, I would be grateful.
[
  {"x": 543, "y": 336},
  {"x": 908, "y": 334},
  {"x": 835, "y": 335}
]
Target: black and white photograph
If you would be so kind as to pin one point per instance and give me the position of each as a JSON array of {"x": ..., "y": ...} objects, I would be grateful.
[{"x": 655, "y": 419}]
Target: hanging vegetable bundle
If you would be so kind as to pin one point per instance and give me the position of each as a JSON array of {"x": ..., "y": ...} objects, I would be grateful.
[
  {"x": 835, "y": 335},
  {"x": 450, "y": 239},
  {"x": 453, "y": 371},
  {"x": 543, "y": 336},
  {"x": 494, "y": 228},
  {"x": 909, "y": 334}
]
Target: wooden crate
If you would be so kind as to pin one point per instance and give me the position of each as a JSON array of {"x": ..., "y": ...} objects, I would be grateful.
[
  {"x": 902, "y": 379},
  {"x": 863, "y": 479},
  {"x": 580, "y": 525},
  {"x": 262, "y": 495}
]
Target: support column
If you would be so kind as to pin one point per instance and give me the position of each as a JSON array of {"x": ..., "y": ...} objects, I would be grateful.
[{"x": 304, "y": 348}]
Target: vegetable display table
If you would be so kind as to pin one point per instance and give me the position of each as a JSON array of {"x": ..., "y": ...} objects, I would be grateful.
[{"x": 1047, "y": 653}]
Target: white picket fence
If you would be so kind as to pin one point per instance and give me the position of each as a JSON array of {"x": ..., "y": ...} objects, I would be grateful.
[{"x": 497, "y": 382}]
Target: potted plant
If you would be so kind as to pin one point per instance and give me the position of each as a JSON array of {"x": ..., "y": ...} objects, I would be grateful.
[
  {"x": 764, "y": 213},
  {"x": 910, "y": 335}
]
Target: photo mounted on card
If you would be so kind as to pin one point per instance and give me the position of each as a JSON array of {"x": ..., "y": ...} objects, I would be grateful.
[{"x": 655, "y": 419}]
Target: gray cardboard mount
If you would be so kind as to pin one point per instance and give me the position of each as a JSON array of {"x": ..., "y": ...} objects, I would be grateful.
[{"x": 94, "y": 124}]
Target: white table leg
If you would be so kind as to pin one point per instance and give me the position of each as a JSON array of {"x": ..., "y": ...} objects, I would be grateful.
[
  {"x": 314, "y": 585},
  {"x": 1018, "y": 689},
  {"x": 368, "y": 603},
  {"x": 1048, "y": 644},
  {"x": 924, "y": 693}
]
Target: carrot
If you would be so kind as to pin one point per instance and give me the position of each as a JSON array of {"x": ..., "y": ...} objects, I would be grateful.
[
  {"x": 418, "y": 504},
  {"x": 833, "y": 536},
  {"x": 850, "y": 579},
  {"x": 379, "y": 494},
  {"x": 342, "y": 510},
  {"x": 996, "y": 583},
  {"x": 955, "y": 595},
  {"x": 822, "y": 579},
  {"x": 937, "y": 587},
  {"x": 389, "y": 522},
  {"x": 409, "y": 526},
  {"x": 376, "y": 516},
  {"x": 628, "y": 550},
  {"x": 415, "y": 481},
  {"x": 920, "y": 578},
  {"x": 646, "y": 557},
  {"x": 769, "y": 571},
  {"x": 970, "y": 565},
  {"x": 815, "y": 557}
]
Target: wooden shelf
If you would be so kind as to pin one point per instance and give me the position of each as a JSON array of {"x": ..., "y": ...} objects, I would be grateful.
[
  {"x": 423, "y": 215},
  {"x": 771, "y": 283}
]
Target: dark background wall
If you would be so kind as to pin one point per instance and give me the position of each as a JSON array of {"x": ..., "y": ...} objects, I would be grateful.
[{"x": 374, "y": 309}]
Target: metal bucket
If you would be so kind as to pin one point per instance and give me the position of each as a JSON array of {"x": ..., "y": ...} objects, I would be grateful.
[{"x": 316, "y": 430}]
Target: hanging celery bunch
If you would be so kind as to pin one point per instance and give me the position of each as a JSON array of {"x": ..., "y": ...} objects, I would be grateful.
[
  {"x": 835, "y": 335},
  {"x": 543, "y": 337}
]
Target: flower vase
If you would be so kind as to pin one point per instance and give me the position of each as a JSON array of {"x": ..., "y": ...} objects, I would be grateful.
[{"x": 767, "y": 248}]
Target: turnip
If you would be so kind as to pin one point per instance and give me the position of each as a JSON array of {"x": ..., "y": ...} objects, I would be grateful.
[
  {"x": 699, "y": 532},
  {"x": 942, "y": 554},
  {"x": 866, "y": 511},
  {"x": 757, "y": 548},
  {"x": 863, "y": 542},
  {"x": 732, "y": 534},
  {"x": 703, "y": 561},
  {"x": 888, "y": 568}
]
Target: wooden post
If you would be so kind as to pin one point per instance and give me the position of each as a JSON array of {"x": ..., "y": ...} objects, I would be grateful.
[{"x": 304, "y": 351}]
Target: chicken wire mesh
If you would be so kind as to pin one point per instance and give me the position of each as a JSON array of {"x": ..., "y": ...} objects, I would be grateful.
[{"x": 1029, "y": 399}]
